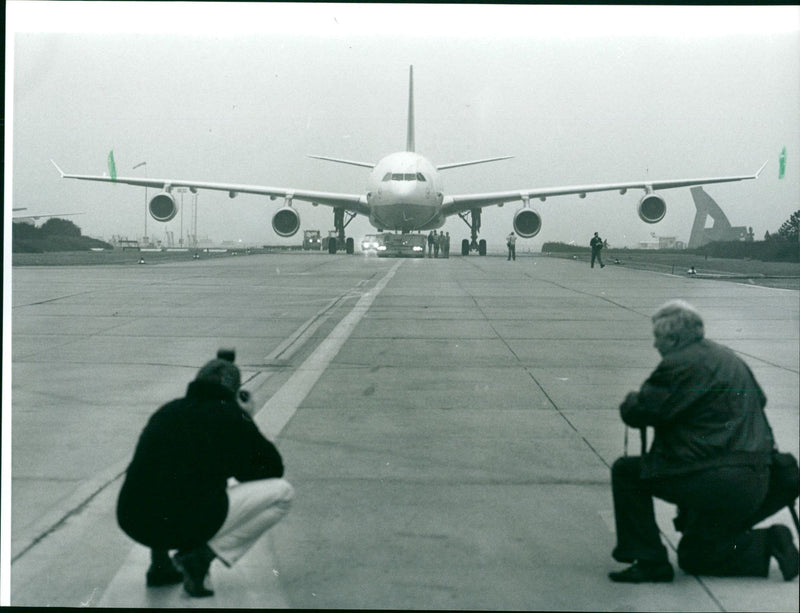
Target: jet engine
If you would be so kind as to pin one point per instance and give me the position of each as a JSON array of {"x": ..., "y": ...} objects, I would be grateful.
[
  {"x": 527, "y": 223},
  {"x": 286, "y": 221},
  {"x": 651, "y": 208},
  {"x": 163, "y": 207}
]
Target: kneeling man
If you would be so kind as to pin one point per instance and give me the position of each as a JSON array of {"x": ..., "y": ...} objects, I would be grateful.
[{"x": 710, "y": 456}]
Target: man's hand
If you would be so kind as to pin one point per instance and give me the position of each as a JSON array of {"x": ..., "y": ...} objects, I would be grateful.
[{"x": 245, "y": 401}]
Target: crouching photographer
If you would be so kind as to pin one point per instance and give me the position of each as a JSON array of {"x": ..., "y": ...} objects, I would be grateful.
[{"x": 176, "y": 494}]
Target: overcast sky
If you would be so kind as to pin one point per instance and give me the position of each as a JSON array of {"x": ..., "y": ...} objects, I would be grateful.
[{"x": 242, "y": 92}]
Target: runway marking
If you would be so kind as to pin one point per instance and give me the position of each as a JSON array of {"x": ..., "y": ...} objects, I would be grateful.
[
  {"x": 276, "y": 413},
  {"x": 46, "y": 525},
  {"x": 299, "y": 337}
]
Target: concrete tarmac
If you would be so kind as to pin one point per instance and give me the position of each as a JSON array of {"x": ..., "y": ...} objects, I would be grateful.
[{"x": 448, "y": 425}]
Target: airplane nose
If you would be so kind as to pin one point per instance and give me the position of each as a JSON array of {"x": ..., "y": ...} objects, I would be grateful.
[{"x": 403, "y": 191}]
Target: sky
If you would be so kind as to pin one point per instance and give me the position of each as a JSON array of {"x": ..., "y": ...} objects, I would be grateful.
[{"x": 242, "y": 93}]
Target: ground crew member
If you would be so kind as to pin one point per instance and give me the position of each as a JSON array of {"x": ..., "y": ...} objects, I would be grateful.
[
  {"x": 597, "y": 245},
  {"x": 511, "y": 243}
]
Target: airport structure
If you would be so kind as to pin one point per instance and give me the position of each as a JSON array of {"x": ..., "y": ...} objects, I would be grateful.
[{"x": 722, "y": 230}]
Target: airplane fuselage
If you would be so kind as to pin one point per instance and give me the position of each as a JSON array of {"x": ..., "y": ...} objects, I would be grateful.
[{"x": 404, "y": 193}]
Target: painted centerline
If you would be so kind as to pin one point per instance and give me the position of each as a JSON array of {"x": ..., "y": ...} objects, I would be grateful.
[{"x": 279, "y": 409}]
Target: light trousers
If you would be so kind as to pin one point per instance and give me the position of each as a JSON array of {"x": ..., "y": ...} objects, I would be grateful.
[{"x": 253, "y": 508}]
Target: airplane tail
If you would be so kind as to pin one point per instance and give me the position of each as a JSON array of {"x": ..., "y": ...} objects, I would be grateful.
[{"x": 410, "y": 146}]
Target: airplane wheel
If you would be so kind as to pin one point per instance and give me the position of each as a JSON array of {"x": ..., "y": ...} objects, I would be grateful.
[
  {"x": 350, "y": 246},
  {"x": 465, "y": 247},
  {"x": 332, "y": 247},
  {"x": 482, "y": 247}
]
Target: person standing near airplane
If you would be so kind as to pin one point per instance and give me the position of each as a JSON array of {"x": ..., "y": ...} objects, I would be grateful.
[
  {"x": 597, "y": 245},
  {"x": 511, "y": 243},
  {"x": 436, "y": 244},
  {"x": 431, "y": 239},
  {"x": 441, "y": 242},
  {"x": 447, "y": 245},
  {"x": 176, "y": 494}
]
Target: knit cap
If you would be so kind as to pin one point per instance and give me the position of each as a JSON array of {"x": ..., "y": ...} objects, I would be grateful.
[{"x": 221, "y": 372}]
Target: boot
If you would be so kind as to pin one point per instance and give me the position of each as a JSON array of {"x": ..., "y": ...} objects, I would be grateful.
[
  {"x": 162, "y": 571},
  {"x": 781, "y": 547},
  {"x": 194, "y": 565},
  {"x": 643, "y": 571}
]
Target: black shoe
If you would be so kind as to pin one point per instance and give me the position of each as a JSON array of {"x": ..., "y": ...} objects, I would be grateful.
[
  {"x": 158, "y": 576},
  {"x": 194, "y": 566},
  {"x": 644, "y": 572},
  {"x": 162, "y": 570},
  {"x": 781, "y": 547}
]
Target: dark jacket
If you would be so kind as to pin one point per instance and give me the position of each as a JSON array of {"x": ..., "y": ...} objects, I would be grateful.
[
  {"x": 174, "y": 495},
  {"x": 707, "y": 411}
]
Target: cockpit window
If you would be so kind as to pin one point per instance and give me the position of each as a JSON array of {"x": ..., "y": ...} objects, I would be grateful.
[
  {"x": 408, "y": 176},
  {"x": 420, "y": 177},
  {"x": 387, "y": 176}
]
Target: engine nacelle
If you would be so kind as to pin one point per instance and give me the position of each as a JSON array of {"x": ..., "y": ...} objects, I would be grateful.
[
  {"x": 163, "y": 207},
  {"x": 286, "y": 221},
  {"x": 527, "y": 223},
  {"x": 651, "y": 208}
]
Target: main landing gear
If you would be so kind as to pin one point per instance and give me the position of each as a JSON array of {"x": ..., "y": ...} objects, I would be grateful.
[
  {"x": 337, "y": 240},
  {"x": 474, "y": 224}
]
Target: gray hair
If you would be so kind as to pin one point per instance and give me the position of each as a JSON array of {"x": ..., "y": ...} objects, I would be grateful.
[{"x": 680, "y": 319}]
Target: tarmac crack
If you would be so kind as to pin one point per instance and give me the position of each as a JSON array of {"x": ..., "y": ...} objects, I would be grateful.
[
  {"x": 76, "y": 510},
  {"x": 531, "y": 375},
  {"x": 29, "y": 304}
]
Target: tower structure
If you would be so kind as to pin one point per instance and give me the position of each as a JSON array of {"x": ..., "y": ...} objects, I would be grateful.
[{"x": 721, "y": 230}]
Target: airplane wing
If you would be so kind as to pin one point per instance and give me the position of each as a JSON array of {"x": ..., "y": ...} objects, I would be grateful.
[
  {"x": 460, "y": 203},
  {"x": 41, "y": 215},
  {"x": 356, "y": 203}
]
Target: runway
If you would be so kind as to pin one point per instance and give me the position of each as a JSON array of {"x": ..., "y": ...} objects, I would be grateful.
[{"x": 448, "y": 425}]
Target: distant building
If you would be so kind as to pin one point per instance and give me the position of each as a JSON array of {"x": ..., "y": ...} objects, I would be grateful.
[
  {"x": 662, "y": 242},
  {"x": 670, "y": 242}
]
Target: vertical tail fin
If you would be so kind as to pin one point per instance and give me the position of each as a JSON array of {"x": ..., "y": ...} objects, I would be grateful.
[{"x": 410, "y": 136}]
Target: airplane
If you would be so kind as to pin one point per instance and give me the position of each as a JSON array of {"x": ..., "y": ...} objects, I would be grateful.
[{"x": 405, "y": 194}]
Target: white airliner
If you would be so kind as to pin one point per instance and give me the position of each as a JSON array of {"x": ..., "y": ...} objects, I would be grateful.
[{"x": 405, "y": 194}]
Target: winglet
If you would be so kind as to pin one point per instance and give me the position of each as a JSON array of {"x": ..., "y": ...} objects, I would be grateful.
[
  {"x": 758, "y": 172},
  {"x": 58, "y": 169}
]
